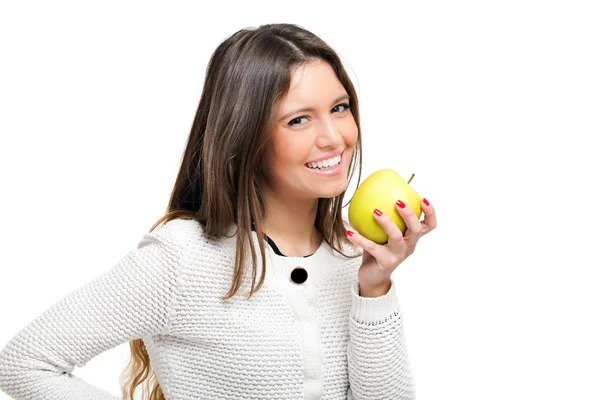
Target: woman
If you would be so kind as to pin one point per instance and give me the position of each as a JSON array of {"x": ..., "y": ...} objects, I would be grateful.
[{"x": 318, "y": 324}]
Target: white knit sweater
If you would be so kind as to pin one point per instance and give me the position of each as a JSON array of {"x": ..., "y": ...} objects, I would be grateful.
[{"x": 316, "y": 339}]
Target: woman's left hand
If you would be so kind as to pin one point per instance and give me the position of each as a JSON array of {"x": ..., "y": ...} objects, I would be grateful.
[{"x": 379, "y": 261}]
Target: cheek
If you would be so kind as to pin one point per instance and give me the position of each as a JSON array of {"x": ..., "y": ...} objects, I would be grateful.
[
  {"x": 289, "y": 153},
  {"x": 351, "y": 131},
  {"x": 295, "y": 150},
  {"x": 351, "y": 137}
]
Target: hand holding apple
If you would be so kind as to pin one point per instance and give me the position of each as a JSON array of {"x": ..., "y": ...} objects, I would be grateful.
[
  {"x": 380, "y": 261},
  {"x": 371, "y": 215},
  {"x": 380, "y": 191}
]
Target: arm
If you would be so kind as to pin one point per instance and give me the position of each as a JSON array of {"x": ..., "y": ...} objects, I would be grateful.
[
  {"x": 131, "y": 300},
  {"x": 378, "y": 365}
]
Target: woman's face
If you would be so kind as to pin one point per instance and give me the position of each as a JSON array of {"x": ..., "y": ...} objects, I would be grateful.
[{"x": 300, "y": 137}]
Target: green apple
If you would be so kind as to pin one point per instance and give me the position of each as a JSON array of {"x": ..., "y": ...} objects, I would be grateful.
[{"x": 381, "y": 190}]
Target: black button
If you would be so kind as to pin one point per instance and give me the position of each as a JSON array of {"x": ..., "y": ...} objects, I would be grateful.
[{"x": 299, "y": 275}]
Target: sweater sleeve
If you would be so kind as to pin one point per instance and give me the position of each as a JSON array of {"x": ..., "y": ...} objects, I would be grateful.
[
  {"x": 131, "y": 300},
  {"x": 378, "y": 364}
]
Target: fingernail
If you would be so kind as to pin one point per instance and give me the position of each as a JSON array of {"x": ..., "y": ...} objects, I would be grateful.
[
  {"x": 400, "y": 203},
  {"x": 377, "y": 212},
  {"x": 349, "y": 233},
  {"x": 425, "y": 201}
]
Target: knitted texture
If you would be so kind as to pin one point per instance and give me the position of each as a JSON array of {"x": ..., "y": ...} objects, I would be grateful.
[{"x": 312, "y": 340}]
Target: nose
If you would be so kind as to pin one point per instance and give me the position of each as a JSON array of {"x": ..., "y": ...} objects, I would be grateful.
[{"x": 330, "y": 136}]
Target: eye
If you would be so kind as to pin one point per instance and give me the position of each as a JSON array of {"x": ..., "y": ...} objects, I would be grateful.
[{"x": 345, "y": 105}]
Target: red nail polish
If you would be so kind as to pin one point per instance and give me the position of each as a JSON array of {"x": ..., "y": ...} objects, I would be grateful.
[
  {"x": 378, "y": 213},
  {"x": 400, "y": 203},
  {"x": 349, "y": 233},
  {"x": 425, "y": 201}
]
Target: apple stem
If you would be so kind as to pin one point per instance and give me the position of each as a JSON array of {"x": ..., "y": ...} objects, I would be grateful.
[{"x": 413, "y": 175}]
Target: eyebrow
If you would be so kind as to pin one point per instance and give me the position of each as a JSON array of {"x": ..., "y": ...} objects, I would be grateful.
[{"x": 345, "y": 96}]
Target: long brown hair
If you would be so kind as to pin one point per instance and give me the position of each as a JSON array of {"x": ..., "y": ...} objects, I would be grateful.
[{"x": 218, "y": 182}]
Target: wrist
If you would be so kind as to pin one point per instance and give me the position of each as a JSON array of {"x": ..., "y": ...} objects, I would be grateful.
[{"x": 374, "y": 291}]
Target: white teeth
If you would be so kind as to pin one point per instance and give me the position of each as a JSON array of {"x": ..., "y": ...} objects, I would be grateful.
[{"x": 325, "y": 163}]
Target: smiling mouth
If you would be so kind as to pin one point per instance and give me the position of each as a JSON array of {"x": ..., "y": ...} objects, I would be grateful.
[{"x": 341, "y": 158}]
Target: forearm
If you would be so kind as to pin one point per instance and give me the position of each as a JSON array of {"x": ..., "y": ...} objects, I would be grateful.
[{"x": 378, "y": 363}]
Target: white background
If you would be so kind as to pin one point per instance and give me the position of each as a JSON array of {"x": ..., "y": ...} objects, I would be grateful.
[{"x": 494, "y": 107}]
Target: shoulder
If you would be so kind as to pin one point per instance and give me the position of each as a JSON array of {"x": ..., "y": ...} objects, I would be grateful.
[
  {"x": 173, "y": 234},
  {"x": 188, "y": 235},
  {"x": 180, "y": 230}
]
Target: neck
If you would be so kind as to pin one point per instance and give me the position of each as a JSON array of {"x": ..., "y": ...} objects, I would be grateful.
[{"x": 291, "y": 224}]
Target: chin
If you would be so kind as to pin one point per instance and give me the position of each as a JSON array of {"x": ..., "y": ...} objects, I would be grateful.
[{"x": 328, "y": 194}]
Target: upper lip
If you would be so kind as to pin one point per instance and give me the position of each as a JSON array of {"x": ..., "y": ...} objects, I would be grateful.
[{"x": 327, "y": 157}]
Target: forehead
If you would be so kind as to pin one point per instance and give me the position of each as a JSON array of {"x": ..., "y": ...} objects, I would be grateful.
[{"x": 313, "y": 81}]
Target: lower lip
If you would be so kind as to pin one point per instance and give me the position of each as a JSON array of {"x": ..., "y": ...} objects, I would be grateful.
[{"x": 335, "y": 171}]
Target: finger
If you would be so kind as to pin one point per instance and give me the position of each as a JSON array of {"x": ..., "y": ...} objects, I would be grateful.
[
  {"x": 430, "y": 221},
  {"x": 391, "y": 229},
  {"x": 412, "y": 223},
  {"x": 370, "y": 246}
]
